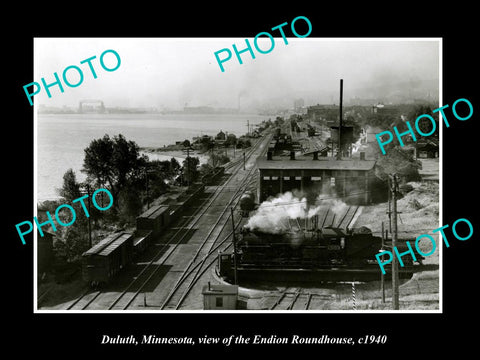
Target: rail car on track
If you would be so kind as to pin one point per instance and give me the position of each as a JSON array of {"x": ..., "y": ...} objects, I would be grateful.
[
  {"x": 327, "y": 254},
  {"x": 155, "y": 219},
  {"x": 104, "y": 260}
]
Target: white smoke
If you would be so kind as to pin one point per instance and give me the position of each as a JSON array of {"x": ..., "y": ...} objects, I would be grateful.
[
  {"x": 358, "y": 144},
  {"x": 272, "y": 216}
]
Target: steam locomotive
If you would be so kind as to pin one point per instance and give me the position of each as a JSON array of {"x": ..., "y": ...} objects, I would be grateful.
[{"x": 328, "y": 254}]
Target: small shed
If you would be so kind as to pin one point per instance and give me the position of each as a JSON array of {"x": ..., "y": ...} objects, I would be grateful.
[
  {"x": 220, "y": 297},
  {"x": 428, "y": 149}
]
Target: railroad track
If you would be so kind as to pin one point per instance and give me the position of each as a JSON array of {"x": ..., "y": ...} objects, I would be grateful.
[
  {"x": 296, "y": 299},
  {"x": 138, "y": 284},
  {"x": 289, "y": 300},
  {"x": 206, "y": 255},
  {"x": 203, "y": 259}
]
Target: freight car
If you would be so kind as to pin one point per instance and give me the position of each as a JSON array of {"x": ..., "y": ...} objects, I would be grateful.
[
  {"x": 214, "y": 175},
  {"x": 104, "y": 260},
  {"x": 141, "y": 241},
  {"x": 327, "y": 253},
  {"x": 155, "y": 219}
]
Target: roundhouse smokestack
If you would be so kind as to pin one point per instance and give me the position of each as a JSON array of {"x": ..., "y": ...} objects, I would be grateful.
[{"x": 339, "y": 153}]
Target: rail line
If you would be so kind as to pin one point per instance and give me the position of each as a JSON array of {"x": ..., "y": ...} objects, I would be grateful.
[
  {"x": 182, "y": 287},
  {"x": 203, "y": 211},
  {"x": 296, "y": 300},
  {"x": 141, "y": 280}
]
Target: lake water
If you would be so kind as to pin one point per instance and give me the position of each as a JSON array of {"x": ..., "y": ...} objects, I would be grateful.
[{"x": 61, "y": 139}]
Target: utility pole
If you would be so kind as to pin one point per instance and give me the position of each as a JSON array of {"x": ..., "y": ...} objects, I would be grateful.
[
  {"x": 188, "y": 166},
  {"x": 89, "y": 219},
  {"x": 146, "y": 187},
  {"x": 244, "y": 160},
  {"x": 395, "y": 296},
  {"x": 187, "y": 149},
  {"x": 339, "y": 154},
  {"x": 234, "y": 249},
  {"x": 382, "y": 277},
  {"x": 389, "y": 205}
]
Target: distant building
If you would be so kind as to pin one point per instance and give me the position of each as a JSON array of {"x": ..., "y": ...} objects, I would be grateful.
[
  {"x": 427, "y": 149},
  {"x": 221, "y": 136},
  {"x": 350, "y": 179},
  {"x": 327, "y": 113},
  {"x": 298, "y": 105},
  {"x": 391, "y": 110},
  {"x": 198, "y": 109},
  {"x": 91, "y": 106}
]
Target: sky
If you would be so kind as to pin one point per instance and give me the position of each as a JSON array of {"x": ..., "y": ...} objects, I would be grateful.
[{"x": 174, "y": 72}]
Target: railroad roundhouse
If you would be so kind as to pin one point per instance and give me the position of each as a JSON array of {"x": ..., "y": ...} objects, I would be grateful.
[{"x": 349, "y": 179}]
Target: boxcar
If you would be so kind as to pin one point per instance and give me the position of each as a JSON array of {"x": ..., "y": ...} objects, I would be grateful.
[
  {"x": 104, "y": 260},
  {"x": 154, "y": 219},
  {"x": 141, "y": 240}
]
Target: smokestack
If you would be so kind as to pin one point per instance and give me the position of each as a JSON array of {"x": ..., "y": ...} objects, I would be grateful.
[
  {"x": 339, "y": 153},
  {"x": 292, "y": 155},
  {"x": 315, "y": 155}
]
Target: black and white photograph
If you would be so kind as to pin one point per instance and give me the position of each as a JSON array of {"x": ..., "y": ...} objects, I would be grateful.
[
  {"x": 262, "y": 187},
  {"x": 271, "y": 181}
]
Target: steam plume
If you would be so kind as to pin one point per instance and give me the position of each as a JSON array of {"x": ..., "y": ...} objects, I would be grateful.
[{"x": 272, "y": 216}]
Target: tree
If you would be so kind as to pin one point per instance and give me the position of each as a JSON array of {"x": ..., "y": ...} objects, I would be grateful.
[
  {"x": 243, "y": 143},
  {"x": 190, "y": 169},
  {"x": 114, "y": 162},
  {"x": 398, "y": 161},
  {"x": 231, "y": 140},
  {"x": 218, "y": 159},
  {"x": 207, "y": 143},
  {"x": 425, "y": 125},
  {"x": 71, "y": 188}
]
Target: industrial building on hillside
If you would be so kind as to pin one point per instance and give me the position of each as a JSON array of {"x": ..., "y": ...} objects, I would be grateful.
[{"x": 349, "y": 179}]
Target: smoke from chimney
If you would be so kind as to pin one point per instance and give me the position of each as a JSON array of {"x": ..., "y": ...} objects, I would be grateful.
[{"x": 272, "y": 216}]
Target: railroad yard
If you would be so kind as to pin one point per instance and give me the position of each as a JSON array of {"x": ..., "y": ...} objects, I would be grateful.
[
  {"x": 294, "y": 223},
  {"x": 171, "y": 273},
  {"x": 167, "y": 272}
]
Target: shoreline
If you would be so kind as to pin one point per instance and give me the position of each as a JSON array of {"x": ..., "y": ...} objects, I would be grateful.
[{"x": 167, "y": 153}]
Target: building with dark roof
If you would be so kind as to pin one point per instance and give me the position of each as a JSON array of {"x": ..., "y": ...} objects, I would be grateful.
[{"x": 349, "y": 179}]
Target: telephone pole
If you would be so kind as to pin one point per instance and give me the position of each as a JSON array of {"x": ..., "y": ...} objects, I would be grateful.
[
  {"x": 339, "y": 154},
  {"x": 395, "y": 296},
  {"x": 89, "y": 219},
  {"x": 234, "y": 249},
  {"x": 382, "y": 277}
]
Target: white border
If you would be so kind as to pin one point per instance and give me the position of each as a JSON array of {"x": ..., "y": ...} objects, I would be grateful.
[{"x": 180, "y": 312}]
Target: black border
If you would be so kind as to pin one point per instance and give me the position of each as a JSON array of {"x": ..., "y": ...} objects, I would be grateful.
[{"x": 81, "y": 333}]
